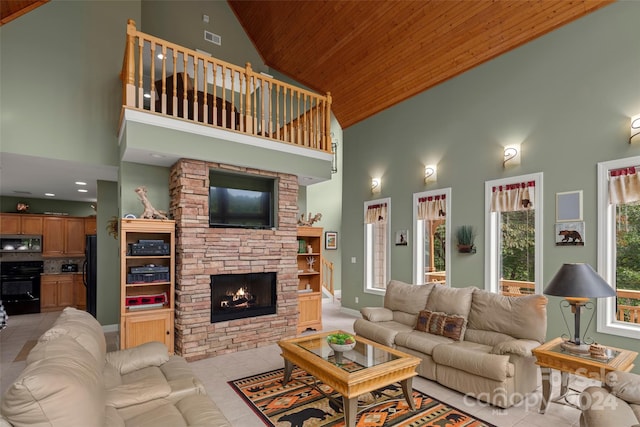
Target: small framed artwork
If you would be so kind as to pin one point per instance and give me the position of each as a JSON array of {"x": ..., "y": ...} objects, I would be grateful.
[
  {"x": 331, "y": 240},
  {"x": 569, "y": 206},
  {"x": 570, "y": 233},
  {"x": 401, "y": 238}
]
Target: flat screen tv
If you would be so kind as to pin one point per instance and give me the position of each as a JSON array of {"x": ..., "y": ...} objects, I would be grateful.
[{"x": 245, "y": 201}]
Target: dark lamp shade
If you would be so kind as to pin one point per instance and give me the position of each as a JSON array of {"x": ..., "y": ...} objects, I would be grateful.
[{"x": 580, "y": 281}]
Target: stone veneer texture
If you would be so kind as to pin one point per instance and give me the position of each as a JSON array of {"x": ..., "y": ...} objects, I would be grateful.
[{"x": 202, "y": 251}]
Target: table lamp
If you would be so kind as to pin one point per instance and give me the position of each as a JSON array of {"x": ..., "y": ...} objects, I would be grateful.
[{"x": 578, "y": 283}]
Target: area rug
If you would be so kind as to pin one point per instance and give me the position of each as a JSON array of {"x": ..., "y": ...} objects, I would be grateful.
[{"x": 299, "y": 404}]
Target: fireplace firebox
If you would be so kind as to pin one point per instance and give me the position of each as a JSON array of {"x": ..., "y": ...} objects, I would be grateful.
[{"x": 237, "y": 296}]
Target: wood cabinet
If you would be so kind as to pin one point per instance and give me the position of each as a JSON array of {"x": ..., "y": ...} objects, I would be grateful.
[
  {"x": 309, "y": 278},
  {"x": 90, "y": 226},
  {"x": 63, "y": 237},
  {"x": 79, "y": 292},
  {"x": 147, "y": 282},
  {"x": 20, "y": 224},
  {"x": 56, "y": 292}
]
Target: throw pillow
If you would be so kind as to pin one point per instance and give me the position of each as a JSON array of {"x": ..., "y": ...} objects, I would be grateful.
[{"x": 437, "y": 323}]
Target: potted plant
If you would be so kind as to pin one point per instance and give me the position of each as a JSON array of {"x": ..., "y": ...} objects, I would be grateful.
[{"x": 466, "y": 236}]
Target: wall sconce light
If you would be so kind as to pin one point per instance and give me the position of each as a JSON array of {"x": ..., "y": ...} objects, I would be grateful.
[
  {"x": 511, "y": 155},
  {"x": 430, "y": 173},
  {"x": 376, "y": 186},
  {"x": 635, "y": 127}
]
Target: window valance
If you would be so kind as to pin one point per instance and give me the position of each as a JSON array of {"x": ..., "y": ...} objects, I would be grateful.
[
  {"x": 513, "y": 197},
  {"x": 432, "y": 207},
  {"x": 376, "y": 213}
]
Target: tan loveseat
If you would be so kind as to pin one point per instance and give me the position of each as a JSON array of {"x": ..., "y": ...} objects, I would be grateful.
[
  {"x": 71, "y": 381},
  {"x": 470, "y": 340},
  {"x": 617, "y": 403}
]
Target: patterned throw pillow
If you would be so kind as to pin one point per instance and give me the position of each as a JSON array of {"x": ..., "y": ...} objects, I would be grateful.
[{"x": 447, "y": 325}]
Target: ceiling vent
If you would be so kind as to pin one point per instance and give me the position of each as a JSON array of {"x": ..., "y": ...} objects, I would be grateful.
[{"x": 213, "y": 38}]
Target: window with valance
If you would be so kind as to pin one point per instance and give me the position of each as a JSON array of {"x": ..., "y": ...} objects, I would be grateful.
[
  {"x": 431, "y": 236},
  {"x": 376, "y": 243},
  {"x": 619, "y": 245}
]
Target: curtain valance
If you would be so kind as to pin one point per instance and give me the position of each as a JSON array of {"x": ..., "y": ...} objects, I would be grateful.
[
  {"x": 376, "y": 213},
  {"x": 624, "y": 185},
  {"x": 432, "y": 207},
  {"x": 513, "y": 197}
]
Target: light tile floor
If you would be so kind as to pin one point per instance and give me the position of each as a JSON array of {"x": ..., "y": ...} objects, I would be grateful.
[{"x": 217, "y": 371}]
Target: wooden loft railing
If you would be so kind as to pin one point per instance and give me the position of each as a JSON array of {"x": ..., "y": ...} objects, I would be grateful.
[{"x": 164, "y": 78}]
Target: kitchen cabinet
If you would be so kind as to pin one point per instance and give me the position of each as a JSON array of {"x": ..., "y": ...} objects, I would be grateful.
[
  {"x": 90, "y": 226},
  {"x": 147, "y": 282},
  {"x": 20, "y": 224},
  {"x": 63, "y": 237},
  {"x": 56, "y": 292},
  {"x": 79, "y": 292},
  {"x": 309, "y": 278}
]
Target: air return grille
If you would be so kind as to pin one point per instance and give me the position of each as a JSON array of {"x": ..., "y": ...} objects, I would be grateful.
[{"x": 213, "y": 38}]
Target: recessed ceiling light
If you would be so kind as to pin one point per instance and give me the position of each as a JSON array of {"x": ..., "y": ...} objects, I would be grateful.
[
  {"x": 82, "y": 190},
  {"x": 160, "y": 56},
  {"x": 49, "y": 194},
  {"x": 157, "y": 156},
  {"x": 147, "y": 95},
  {"x": 81, "y": 183}
]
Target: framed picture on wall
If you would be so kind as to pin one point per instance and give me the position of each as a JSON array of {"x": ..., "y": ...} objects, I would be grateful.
[
  {"x": 569, "y": 206},
  {"x": 570, "y": 233},
  {"x": 401, "y": 238},
  {"x": 331, "y": 240}
]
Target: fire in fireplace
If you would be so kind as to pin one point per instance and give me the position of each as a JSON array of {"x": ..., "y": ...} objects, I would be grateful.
[{"x": 236, "y": 296}]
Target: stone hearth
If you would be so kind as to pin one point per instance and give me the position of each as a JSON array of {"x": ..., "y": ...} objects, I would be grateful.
[{"x": 202, "y": 251}]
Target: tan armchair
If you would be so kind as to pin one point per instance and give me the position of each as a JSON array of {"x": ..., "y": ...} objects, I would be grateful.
[{"x": 617, "y": 403}]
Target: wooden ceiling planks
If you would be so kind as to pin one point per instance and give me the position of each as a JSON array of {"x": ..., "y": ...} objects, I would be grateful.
[
  {"x": 374, "y": 54},
  {"x": 12, "y": 9}
]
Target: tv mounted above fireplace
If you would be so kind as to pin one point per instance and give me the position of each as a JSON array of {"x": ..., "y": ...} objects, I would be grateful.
[{"x": 239, "y": 200}]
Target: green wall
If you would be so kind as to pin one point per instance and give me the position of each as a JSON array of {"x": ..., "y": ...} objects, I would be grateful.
[
  {"x": 108, "y": 287},
  {"x": 567, "y": 97},
  {"x": 39, "y": 206},
  {"x": 155, "y": 178}
]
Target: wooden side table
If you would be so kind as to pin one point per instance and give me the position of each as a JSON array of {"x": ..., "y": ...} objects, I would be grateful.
[{"x": 551, "y": 355}]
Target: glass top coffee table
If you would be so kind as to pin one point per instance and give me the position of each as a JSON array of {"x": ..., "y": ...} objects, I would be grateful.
[{"x": 368, "y": 367}]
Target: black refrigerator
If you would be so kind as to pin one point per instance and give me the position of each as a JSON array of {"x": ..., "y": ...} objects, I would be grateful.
[{"x": 89, "y": 269}]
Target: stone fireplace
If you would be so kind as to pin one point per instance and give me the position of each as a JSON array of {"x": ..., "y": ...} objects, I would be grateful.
[
  {"x": 203, "y": 252},
  {"x": 239, "y": 296}
]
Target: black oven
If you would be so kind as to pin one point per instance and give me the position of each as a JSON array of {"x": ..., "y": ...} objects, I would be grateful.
[{"x": 20, "y": 286}]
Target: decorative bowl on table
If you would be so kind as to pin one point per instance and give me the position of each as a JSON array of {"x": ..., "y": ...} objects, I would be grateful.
[{"x": 341, "y": 342}]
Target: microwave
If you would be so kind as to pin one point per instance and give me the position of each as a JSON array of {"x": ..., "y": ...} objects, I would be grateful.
[{"x": 20, "y": 243}]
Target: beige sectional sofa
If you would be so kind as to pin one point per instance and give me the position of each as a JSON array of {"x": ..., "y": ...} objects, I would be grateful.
[
  {"x": 470, "y": 340},
  {"x": 616, "y": 403},
  {"x": 71, "y": 381}
]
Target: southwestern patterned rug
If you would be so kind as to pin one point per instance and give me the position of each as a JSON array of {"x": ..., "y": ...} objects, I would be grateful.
[{"x": 305, "y": 403}]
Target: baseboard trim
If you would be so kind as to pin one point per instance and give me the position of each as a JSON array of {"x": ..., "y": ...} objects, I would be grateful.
[
  {"x": 350, "y": 311},
  {"x": 110, "y": 328}
]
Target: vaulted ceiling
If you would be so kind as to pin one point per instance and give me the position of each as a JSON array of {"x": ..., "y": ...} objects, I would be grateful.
[{"x": 374, "y": 54}]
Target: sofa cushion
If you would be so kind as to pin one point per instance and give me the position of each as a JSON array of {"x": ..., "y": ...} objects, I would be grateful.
[
  {"x": 139, "y": 386},
  {"x": 61, "y": 390},
  {"x": 520, "y": 317},
  {"x": 376, "y": 314},
  {"x": 475, "y": 359},
  {"x": 180, "y": 377},
  {"x": 625, "y": 385},
  {"x": 518, "y": 347},
  {"x": 380, "y": 332},
  {"x": 450, "y": 326},
  {"x": 82, "y": 327},
  {"x": 450, "y": 300},
  {"x": 404, "y": 297},
  {"x": 485, "y": 337},
  {"x": 153, "y": 353},
  {"x": 420, "y": 341}
]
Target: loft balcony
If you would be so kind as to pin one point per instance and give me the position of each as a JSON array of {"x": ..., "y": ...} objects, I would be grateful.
[{"x": 179, "y": 102}]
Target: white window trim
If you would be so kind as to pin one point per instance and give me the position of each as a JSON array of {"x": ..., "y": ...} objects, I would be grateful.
[
  {"x": 366, "y": 289},
  {"x": 606, "y": 307},
  {"x": 491, "y": 274},
  {"x": 418, "y": 265}
]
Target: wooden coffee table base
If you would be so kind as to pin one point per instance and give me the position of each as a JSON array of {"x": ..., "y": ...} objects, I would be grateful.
[
  {"x": 380, "y": 366},
  {"x": 350, "y": 405}
]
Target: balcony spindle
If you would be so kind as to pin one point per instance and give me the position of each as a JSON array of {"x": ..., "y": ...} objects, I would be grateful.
[
  {"x": 140, "y": 98},
  {"x": 174, "y": 99},
  {"x": 152, "y": 90},
  {"x": 163, "y": 96}
]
